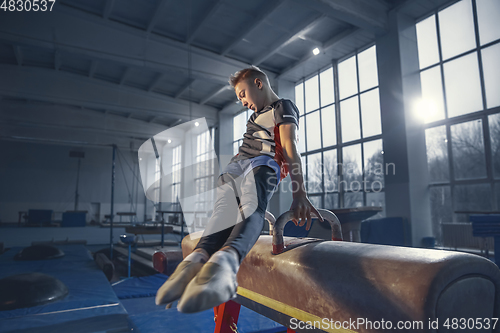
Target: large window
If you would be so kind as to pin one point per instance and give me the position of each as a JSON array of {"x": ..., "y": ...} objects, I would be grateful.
[
  {"x": 340, "y": 134},
  {"x": 176, "y": 175},
  {"x": 240, "y": 128},
  {"x": 204, "y": 179},
  {"x": 157, "y": 187},
  {"x": 459, "y": 58}
]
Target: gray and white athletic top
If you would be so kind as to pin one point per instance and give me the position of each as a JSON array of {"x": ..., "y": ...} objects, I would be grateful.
[{"x": 262, "y": 136}]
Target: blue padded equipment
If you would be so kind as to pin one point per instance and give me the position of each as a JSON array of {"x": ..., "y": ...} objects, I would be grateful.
[
  {"x": 30, "y": 289},
  {"x": 145, "y": 286},
  {"x": 39, "y": 252},
  {"x": 90, "y": 306},
  {"x": 394, "y": 231},
  {"x": 127, "y": 238}
]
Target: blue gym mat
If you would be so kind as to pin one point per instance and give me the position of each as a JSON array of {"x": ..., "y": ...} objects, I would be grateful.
[
  {"x": 90, "y": 306},
  {"x": 137, "y": 287},
  {"x": 150, "y": 318},
  {"x": 147, "y": 317},
  {"x": 72, "y": 253}
]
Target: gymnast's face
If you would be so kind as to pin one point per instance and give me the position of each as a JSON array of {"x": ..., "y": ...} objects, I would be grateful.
[{"x": 250, "y": 93}]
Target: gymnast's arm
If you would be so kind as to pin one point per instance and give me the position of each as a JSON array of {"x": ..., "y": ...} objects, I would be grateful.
[{"x": 301, "y": 205}]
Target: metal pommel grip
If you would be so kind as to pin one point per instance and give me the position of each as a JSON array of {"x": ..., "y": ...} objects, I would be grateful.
[
  {"x": 279, "y": 226},
  {"x": 272, "y": 220}
]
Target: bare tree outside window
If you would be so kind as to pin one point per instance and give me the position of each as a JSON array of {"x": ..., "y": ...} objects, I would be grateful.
[{"x": 458, "y": 49}]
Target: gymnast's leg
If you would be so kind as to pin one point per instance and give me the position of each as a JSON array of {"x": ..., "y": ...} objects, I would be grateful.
[
  {"x": 225, "y": 215},
  {"x": 216, "y": 281},
  {"x": 219, "y": 228}
]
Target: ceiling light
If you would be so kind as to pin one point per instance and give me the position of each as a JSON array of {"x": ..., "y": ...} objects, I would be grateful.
[
  {"x": 316, "y": 51},
  {"x": 196, "y": 124},
  {"x": 169, "y": 141}
]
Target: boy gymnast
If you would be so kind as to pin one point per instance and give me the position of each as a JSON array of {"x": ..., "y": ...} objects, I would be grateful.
[{"x": 207, "y": 276}]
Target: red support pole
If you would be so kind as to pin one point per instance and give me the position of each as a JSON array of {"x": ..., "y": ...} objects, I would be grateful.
[{"x": 226, "y": 317}]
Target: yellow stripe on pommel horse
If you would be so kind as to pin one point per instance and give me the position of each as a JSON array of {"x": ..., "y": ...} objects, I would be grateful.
[{"x": 331, "y": 283}]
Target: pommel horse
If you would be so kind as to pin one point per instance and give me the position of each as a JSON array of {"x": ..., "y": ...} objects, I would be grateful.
[{"x": 330, "y": 283}]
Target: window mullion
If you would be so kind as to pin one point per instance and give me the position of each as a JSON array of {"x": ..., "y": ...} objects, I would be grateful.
[
  {"x": 448, "y": 129},
  {"x": 488, "y": 156},
  {"x": 438, "y": 32},
  {"x": 320, "y": 110},
  {"x": 361, "y": 130},
  {"x": 340, "y": 177},
  {"x": 304, "y": 172},
  {"x": 478, "y": 53}
]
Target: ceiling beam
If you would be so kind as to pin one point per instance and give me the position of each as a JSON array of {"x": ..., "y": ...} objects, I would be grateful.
[
  {"x": 66, "y": 137},
  {"x": 300, "y": 29},
  {"x": 215, "y": 93},
  {"x": 365, "y": 14},
  {"x": 311, "y": 40},
  {"x": 93, "y": 68},
  {"x": 208, "y": 15},
  {"x": 125, "y": 75},
  {"x": 178, "y": 121},
  {"x": 108, "y": 7},
  {"x": 70, "y": 89},
  {"x": 157, "y": 14},
  {"x": 38, "y": 125},
  {"x": 19, "y": 54},
  {"x": 289, "y": 56},
  {"x": 57, "y": 60},
  {"x": 131, "y": 46},
  {"x": 184, "y": 88},
  {"x": 156, "y": 81},
  {"x": 62, "y": 116},
  {"x": 340, "y": 37},
  {"x": 232, "y": 107},
  {"x": 402, "y": 5},
  {"x": 255, "y": 23},
  {"x": 332, "y": 42}
]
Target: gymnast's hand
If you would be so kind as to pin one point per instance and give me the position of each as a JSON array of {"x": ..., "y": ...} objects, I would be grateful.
[{"x": 302, "y": 208}]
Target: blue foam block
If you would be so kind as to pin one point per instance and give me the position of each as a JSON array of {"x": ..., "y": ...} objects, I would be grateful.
[{"x": 91, "y": 301}]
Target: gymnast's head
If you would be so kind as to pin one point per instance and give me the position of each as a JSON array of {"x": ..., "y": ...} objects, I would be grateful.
[{"x": 252, "y": 88}]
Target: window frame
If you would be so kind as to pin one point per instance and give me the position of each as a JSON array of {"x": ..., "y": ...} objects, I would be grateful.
[
  {"x": 340, "y": 145},
  {"x": 448, "y": 122}
]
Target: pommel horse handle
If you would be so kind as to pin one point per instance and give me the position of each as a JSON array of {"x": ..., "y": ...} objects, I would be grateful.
[
  {"x": 279, "y": 226},
  {"x": 272, "y": 220}
]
